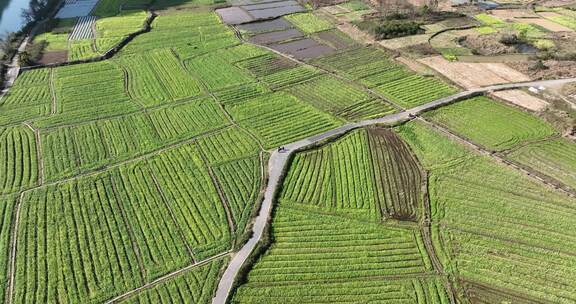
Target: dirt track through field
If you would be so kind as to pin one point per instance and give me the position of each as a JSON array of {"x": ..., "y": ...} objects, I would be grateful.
[{"x": 279, "y": 160}]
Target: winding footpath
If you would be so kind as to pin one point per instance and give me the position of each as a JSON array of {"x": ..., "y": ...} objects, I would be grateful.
[{"x": 279, "y": 160}]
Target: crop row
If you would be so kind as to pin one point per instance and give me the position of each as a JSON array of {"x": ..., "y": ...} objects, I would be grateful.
[
  {"x": 71, "y": 150},
  {"x": 240, "y": 181},
  {"x": 375, "y": 69},
  {"x": 429, "y": 291},
  {"x": 27, "y": 96},
  {"x": 398, "y": 175},
  {"x": 498, "y": 227},
  {"x": 18, "y": 159},
  {"x": 491, "y": 124},
  {"x": 414, "y": 90},
  {"x": 97, "y": 236},
  {"x": 313, "y": 254},
  {"x": 216, "y": 72},
  {"x": 339, "y": 98},
  {"x": 194, "y": 286},
  {"x": 280, "y": 118},
  {"x": 229, "y": 144},
  {"x": 6, "y": 211},
  {"x": 556, "y": 158}
]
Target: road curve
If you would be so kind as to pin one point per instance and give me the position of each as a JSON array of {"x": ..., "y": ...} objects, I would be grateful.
[{"x": 278, "y": 161}]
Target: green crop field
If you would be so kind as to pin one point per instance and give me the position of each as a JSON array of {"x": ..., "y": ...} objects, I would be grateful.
[
  {"x": 555, "y": 158},
  {"x": 309, "y": 23},
  {"x": 504, "y": 235},
  {"x": 139, "y": 177},
  {"x": 328, "y": 238},
  {"x": 271, "y": 116},
  {"x": 375, "y": 69},
  {"x": 491, "y": 124}
]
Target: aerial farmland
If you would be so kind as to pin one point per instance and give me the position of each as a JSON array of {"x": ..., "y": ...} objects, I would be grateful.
[{"x": 291, "y": 151}]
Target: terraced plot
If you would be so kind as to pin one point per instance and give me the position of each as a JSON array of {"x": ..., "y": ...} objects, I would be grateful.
[
  {"x": 491, "y": 124},
  {"x": 497, "y": 228},
  {"x": 29, "y": 98},
  {"x": 195, "y": 285},
  {"x": 340, "y": 98},
  {"x": 18, "y": 159},
  {"x": 101, "y": 83},
  {"x": 555, "y": 158},
  {"x": 271, "y": 116},
  {"x": 216, "y": 72},
  {"x": 373, "y": 68},
  {"x": 94, "y": 237},
  {"x": 319, "y": 258}
]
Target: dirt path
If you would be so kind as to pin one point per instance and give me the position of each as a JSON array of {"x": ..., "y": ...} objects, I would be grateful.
[
  {"x": 164, "y": 278},
  {"x": 279, "y": 160}
]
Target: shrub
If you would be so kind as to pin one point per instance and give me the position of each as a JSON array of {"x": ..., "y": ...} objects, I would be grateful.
[{"x": 396, "y": 28}]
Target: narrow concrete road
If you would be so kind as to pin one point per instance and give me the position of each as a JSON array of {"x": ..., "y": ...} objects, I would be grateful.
[{"x": 278, "y": 160}]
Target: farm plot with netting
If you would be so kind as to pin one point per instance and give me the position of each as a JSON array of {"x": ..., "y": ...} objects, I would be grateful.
[
  {"x": 555, "y": 158},
  {"x": 495, "y": 227},
  {"x": 106, "y": 229},
  {"x": 491, "y": 124},
  {"x": 375, "y": 69},
  {"x": 340, "y": 98},
  {"x": 279, "y": 118}
]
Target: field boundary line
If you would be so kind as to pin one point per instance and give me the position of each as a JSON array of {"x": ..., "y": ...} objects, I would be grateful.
[
  {"x": 127, "y": 161},
  {"x": 164, "y": 278},
  {"x": 278, "y": 162},
  {"x": 40, "y": 160},
  {"x": 223, "y": 200},
  {"x": 172, "y": 215}
]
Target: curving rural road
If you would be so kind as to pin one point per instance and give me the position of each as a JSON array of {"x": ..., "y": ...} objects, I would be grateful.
[{"x": 278, "y": 161}]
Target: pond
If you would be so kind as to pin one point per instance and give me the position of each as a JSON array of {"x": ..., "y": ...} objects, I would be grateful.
[{"x": 11, "y": 15}]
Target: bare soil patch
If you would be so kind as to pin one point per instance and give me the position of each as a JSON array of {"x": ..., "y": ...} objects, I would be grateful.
[
  {"x": 53, "y": 57},
  {"x": 473, "y": 75},
  {"x": 510, "y": 14},
  {"x": 554, "y": 69},
  {"x": 356, "y": 34},
  {"x": 334, "y": 38},
  {"x": 522, "y": 99},
  {"x": 487, "y": 45}
]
